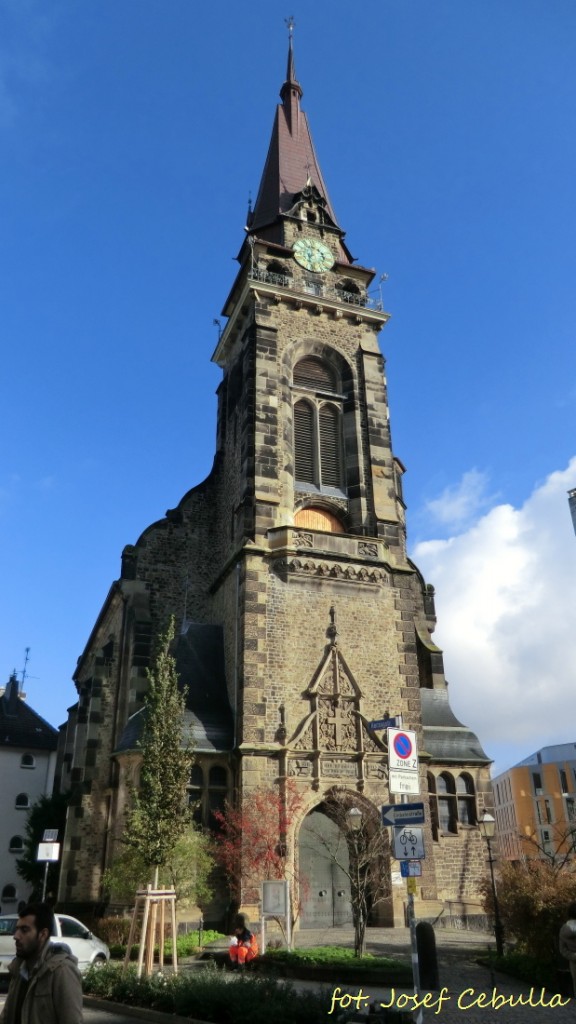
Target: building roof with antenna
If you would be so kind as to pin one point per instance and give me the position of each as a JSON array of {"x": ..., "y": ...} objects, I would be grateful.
[{"x": 20, "y": 725}]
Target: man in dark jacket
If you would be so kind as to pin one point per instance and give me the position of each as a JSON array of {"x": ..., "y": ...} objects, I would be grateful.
[{"x": 45, "y": 984}]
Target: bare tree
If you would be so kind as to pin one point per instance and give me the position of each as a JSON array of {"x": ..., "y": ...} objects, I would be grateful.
[{"x": 560, "y": 852}]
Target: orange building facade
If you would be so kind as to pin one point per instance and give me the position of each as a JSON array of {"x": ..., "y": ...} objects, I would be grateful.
[{"x": 535, "y": 805}]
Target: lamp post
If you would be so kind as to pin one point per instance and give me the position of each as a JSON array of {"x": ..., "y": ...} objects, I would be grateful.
[
  {"x": 487, "y": 825},
  {"x": 354, "y": 821}
]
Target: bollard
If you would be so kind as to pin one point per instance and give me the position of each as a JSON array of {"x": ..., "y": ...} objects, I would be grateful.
[{"x": 427, "y": 958}]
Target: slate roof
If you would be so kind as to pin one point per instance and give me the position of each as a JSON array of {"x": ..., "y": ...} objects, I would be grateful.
[
  {"x": 291, "y": 162},
  {"x": 208, "y": 720},
  {"x": 20, "y": 725},
  {"x": 445, "y": 738}
]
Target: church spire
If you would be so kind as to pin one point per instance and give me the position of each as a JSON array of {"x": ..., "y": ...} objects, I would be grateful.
[
  {"x": 291, "y": 91},
  {"x": 291, "y": 164}
]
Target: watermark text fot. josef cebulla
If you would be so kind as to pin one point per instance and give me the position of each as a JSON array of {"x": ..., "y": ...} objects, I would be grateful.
[{"x": 468, "y": 999}]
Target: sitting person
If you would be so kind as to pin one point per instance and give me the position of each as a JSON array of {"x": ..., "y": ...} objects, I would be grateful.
[{"x": 243, "y": 944}]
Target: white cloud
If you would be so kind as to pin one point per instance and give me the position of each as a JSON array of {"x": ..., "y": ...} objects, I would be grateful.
[
  {"x": 458, "y": 503},
  {"x": 506, "y": 605}
]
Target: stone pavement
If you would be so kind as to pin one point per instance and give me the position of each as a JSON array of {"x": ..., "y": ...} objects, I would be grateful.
[{"x": 470, "y": 994}]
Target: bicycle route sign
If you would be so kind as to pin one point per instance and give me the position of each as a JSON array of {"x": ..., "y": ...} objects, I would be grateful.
[{"x": 409, "y": 843}]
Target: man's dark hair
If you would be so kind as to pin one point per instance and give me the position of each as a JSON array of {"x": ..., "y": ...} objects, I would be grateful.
[{"x": 43, "y": 914}]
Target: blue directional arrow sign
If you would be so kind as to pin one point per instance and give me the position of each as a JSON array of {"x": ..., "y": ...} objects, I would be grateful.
[{"x": 403, "y": 814}]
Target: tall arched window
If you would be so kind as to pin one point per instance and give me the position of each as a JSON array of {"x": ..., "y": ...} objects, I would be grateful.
[
  {"x": 9, "y": 893},
  {"x": 433, "y": 807},
  {"x": 318, "y": 449},
  {"x": 466, "y": 799},
  {"x": 22, "y": 802},
  {"x": 446, "y": 803},
  {"x": 16, "y": 844}
]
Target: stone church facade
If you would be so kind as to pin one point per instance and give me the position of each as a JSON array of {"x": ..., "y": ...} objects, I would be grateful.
[{"x": 300, "y": 617}]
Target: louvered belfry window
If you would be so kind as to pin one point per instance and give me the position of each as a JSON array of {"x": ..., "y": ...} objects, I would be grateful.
[
  {"x": 304, "y": 442},
  {"x": 317, "y": 425},
  {"x": 329, "y": 431},
  {"x": 312, "y": 372}
]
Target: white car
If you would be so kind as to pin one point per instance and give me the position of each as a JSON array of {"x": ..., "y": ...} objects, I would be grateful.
[{"x": 84, "y": 945}]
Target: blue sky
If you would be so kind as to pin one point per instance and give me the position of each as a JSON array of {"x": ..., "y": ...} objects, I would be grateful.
[{"x": 131, "y": 134}]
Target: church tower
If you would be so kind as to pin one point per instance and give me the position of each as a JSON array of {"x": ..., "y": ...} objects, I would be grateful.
[{"x": 301, "y": 619}]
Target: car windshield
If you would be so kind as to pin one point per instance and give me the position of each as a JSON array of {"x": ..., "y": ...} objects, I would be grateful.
[{"x": 8, "y": 925}]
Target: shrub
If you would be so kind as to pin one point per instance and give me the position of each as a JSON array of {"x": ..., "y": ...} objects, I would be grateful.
[
  {"x": 186, "y": 945},
  {"x": 209, "y": 996},
  {"x": 114, "y": 931},
  {"x": 533, "y": 900}
]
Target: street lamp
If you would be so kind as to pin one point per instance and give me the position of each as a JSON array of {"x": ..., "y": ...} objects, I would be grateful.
[
  {"x": 354, "y": 819},
  {"x": 487, "y": 825}
]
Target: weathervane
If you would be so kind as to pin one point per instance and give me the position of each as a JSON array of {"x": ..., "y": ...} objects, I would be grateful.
[{"x": 289, "y": 22}]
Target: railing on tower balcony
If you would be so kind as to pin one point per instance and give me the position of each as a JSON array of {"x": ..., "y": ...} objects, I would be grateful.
[{"x": 317, "y": 288}]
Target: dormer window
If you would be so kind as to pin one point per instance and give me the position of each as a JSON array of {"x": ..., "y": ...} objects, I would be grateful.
[
  {"x": 277, "y": 273},
  {"x": 348, "y": 291}
]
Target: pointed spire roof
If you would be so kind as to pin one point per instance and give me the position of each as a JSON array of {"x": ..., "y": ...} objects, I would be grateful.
[{"x": 291, "y": 163}]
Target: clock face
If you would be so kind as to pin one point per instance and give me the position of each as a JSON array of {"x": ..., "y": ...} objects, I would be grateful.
[{"x": 312, "y": 254}]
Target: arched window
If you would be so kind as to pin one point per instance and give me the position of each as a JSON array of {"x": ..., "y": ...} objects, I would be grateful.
[
  {"x": 348, "y": 291},
  {"x": 433, "y": 806},
  {"x": 318, "y": 519},
  {"x": 313, "y": 372},
  {"x": 195, "y": 792},
  {"x": 330, "y": 446},
  {"x": 207, "y": 791},
  {"x": 22, "y": 802},
  {"x": 16, "y": 844},
  {"x": 27, "y": 761},
  {"x": 304, "y": 447},
  {"x": 318, "y": 449},
  {"x": 9, "y": 893},
  {"x": 277, "y": 273},
  {"x": 466, "y": 799},
  {"x": 445, "y": 789},
  {"x": 217, "y": 792}
]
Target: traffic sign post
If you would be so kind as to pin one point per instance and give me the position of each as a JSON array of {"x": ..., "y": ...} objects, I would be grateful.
[
  {"x": 411, "y": 868},
  {"x": 48, "y": 851},
  {"x": 409, "y": 843},
  {"x": 402, "y": 750},
  {"x": 402, "y": 814},
  {"x": 404, "y": 778}
]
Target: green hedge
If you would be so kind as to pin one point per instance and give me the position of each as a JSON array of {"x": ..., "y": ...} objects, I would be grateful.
[
  {"x": 186, "y": 945},
  {"x": 213, "y": 996},
  {"x": 334, "y": 963},
  {"x": 527, "y": 968}
]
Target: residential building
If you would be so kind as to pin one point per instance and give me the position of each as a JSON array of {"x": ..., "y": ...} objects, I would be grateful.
[
  {"x": 27, "y": 762},
  {"x": 535, "y": 805}
]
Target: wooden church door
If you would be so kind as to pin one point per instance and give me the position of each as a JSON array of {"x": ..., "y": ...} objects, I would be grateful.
[{"x": 324, "y": 884}]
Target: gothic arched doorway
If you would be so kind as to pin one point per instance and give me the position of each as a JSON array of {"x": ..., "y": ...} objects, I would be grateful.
[{"x": 324, "y": 882}]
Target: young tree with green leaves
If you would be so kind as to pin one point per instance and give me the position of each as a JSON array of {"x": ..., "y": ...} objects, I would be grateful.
[
  {"x": 186, "y": 870},
  {"x": 160, "y": 812},
  {"x": 46, "y": 812}
]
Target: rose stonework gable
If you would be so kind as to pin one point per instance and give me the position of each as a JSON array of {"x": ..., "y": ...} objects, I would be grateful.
[{"x": 300, "y": 618}]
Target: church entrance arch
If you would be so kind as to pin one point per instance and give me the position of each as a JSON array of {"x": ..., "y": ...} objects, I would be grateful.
[{"x": 324, "y": 883}]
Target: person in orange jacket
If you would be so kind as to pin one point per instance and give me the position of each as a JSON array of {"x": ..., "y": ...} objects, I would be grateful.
[{"x": 243, "y": 945}]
